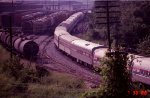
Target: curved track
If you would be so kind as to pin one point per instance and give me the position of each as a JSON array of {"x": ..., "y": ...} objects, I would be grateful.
[{"x": 53, "y": 59}]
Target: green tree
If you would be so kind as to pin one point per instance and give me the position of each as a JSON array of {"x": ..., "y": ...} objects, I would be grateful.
[
  {"x": 116, "y": 78},
  {"x": 135, "y": 23},
  {"x": 144, "y": 46}
]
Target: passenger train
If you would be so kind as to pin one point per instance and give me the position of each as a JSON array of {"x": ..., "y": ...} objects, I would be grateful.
[{"x": 89, "y": 53}]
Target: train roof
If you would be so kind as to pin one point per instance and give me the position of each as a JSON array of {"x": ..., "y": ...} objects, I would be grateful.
[
  {"x": 60, "y": 32},
  {"x": 67, "y": 22},
  {"x": 69, "y": 38},
  {"x": 142, "y": 62},
  {"x": 85, "y": 44}
]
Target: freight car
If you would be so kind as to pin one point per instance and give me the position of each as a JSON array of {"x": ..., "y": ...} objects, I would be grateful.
[
  {"x": 89, "y": 53},
  {"x": 15, "y": 16},
  {"x": 41, "y": 24},
  {"x": 34, "y": 15},
  {"x": 24, "y": 46}
]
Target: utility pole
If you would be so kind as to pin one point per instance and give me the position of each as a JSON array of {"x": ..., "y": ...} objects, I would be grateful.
[
  {"x": 106, "y": 8},
  {"x": 10, "y": 30},
  {"x": 108, "y": 26},
  {"x": 87, "y": 5},
  {"x": 107, "y": 13},
  {"x": 58, "y": 5},
  {"x": 53, "y": 5}
]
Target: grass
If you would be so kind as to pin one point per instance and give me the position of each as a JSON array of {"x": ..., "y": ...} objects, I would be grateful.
[{"x": 55, "y": 85}]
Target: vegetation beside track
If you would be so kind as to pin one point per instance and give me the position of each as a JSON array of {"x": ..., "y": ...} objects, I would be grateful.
[{"x": 19, "y": 80}]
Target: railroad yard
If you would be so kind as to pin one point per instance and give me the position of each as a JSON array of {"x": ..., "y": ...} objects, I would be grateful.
[{"x": 49, "y": 56}]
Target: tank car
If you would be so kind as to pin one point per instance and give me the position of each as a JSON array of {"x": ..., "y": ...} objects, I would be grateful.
[{"x": 24, "y": 46}]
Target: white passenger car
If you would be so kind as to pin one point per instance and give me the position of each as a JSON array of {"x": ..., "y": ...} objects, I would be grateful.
[{"x": 141, "y": 69}]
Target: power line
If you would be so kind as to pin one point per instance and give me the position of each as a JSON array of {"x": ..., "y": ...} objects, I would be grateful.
[
  {"x": 10, "y": 30},
  {"x": 107, "y": 6}
]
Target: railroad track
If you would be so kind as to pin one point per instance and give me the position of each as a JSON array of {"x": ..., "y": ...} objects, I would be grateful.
[
  {"x": 73, "y": 71},
  {"x": 42, "y": 44},
  {"x": 52, "y": 61},
  {"x": 45, "y": 40}
]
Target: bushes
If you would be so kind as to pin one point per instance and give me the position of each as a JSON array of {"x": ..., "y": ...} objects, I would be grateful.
[
  {"x": 134, "y": 26},
  {"x": 41, "y": 72},
  {"x": 135, "y": 23},
  {"x": 18, "y": 71},
  {"x": 144, "y": 46},
  {"x": 15, "y": 77},
  {"x": 56, "y": 85},
  {"x": 18, "y": 81},
  {"x": 12, "y": 67},
  {"x": 9, "y": 86},
  {"x": 116, "y": 79}
]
